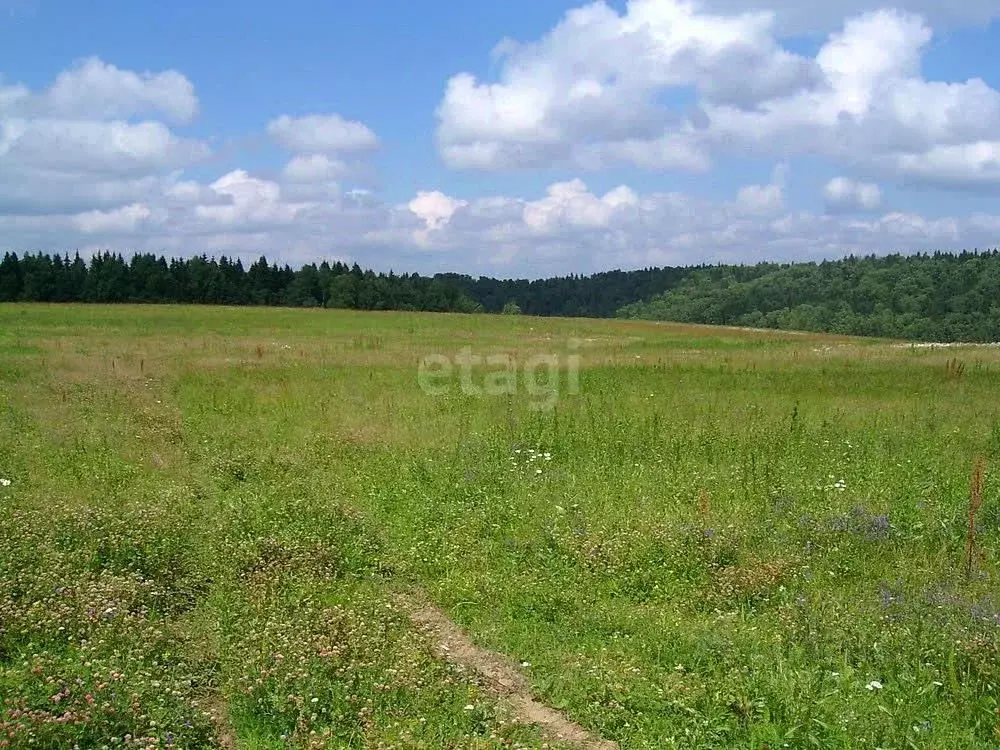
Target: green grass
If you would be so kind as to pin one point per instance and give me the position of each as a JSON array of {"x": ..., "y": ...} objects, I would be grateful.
[{"x": 724, "y": 539}]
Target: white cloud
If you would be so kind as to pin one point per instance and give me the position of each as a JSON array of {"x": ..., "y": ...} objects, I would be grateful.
[
  {"x": 120, "y": 220},
  {"x": 596, "y": 91},
  {"x": 571, "y": 204},
  {"x": 567, "y": 229},
  {"x": 314, "y": 168},
  {"x": 810, "y": 16},
  {"x": 764, "y": 199},
  {"x": 75, "y": 161},
  {"x": 250, "y": 201},
  {"x": 570, "y": 229},
  {"x": 73, "y": 148},
  {"x": 586, "y": 94},
  {"x": 95, "y": 89},
  {"x": 874, "y": 110},
  {"x": 434, "y": 208},
  {"x": 111, "y": 147},
  {"x": 845, "y": 194},
  {"x": 950, "y": 164},
  {"x": 321, "y": 134},
  {"x": 11, "y": 96}
]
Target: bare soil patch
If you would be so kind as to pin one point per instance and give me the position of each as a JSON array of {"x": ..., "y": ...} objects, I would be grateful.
[{"x": 497, "y": 673}]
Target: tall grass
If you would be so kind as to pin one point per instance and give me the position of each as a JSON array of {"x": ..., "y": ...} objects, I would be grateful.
[
  {"x": 674, "y": 560},
  {"x": 975, "y": 505}
]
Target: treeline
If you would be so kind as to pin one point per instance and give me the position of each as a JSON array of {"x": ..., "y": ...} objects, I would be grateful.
[
  {"x": 201, "y": 280},
  {"x": 598, "y": 296},
  {"x": 929, "y": 297},
  {"x": 110, "y": 277}
]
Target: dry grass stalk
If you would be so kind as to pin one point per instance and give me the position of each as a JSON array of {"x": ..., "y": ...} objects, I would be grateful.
[
  {"x": 954, "y": 369},
  {"x": 975, "y": 503}
]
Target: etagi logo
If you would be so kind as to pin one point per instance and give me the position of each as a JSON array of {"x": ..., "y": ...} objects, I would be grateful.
[{"x": 539, "y": 377}]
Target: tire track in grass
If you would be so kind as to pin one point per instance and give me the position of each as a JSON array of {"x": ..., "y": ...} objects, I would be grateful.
[{"x": 451, "y": 643}]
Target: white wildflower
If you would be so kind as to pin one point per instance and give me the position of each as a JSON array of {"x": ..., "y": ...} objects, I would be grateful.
[
  {"x": 4, "y": 483},
  {"x": 874, "y": 685}
]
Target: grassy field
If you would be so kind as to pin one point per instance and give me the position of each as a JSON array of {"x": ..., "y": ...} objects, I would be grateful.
[{"x": 715, "y": 538}]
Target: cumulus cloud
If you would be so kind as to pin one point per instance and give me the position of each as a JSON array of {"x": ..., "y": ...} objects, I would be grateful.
[
  {"x": 125, "y": 219},
  {"x": 434, "y": 208},
  {"x": 845, "y": 194},
  {"x": 95, "y": 90},
  {"x": 572, "y": 229},
  {"x": 95, "y": 157},
  {"x": 87, "y": 146},
  {"x": 604, "y": 88},
  {"x": 247, "y": 201},
  {"x": 587, "y": 93},
  {"x": 321, "y": 134},
  {"x": 572, "y": 205},
  {"x": 566, "y": 229},
  {"x": 77, "y": 147},
  {"x": 811, "y": 16},
  {"x": 874, "y": 110},
  {"x": 764, "y": 199},
  {"x": 314, "y": 168}
]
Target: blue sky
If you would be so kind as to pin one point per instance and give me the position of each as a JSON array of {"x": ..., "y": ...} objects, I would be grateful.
[{"x": 413, "y": 136}]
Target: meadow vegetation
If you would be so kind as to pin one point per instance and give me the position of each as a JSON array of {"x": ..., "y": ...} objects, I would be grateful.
[{"x": 724, "y": 538}]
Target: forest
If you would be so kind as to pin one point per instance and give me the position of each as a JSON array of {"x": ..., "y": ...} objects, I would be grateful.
[
  {"x": 931, "y": 297},
  {"x": 147, "y": 278},
  {"x": 202, "y": 280},
  {"x": 928, "y": 297}
]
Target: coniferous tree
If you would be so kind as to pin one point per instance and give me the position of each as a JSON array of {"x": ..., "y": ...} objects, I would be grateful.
[{"x": 11, "y": 278}]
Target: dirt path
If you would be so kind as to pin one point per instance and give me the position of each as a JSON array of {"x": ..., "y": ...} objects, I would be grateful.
[
  {"x": 453, "y": 644},
  {"x": 224, "y": 734}
]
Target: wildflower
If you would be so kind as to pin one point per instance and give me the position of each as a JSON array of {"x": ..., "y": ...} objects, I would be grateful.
[
  {"x": 469, "y": 707},
  {"x": 538, "y": 471},
  {"x": 4, "y": 483},
  {"x": 525, "y": 663},
  {"x": 874, "y": 685}
]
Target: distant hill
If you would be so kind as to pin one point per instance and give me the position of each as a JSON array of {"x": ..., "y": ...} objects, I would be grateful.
[{"x": 938, "y": 297}]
